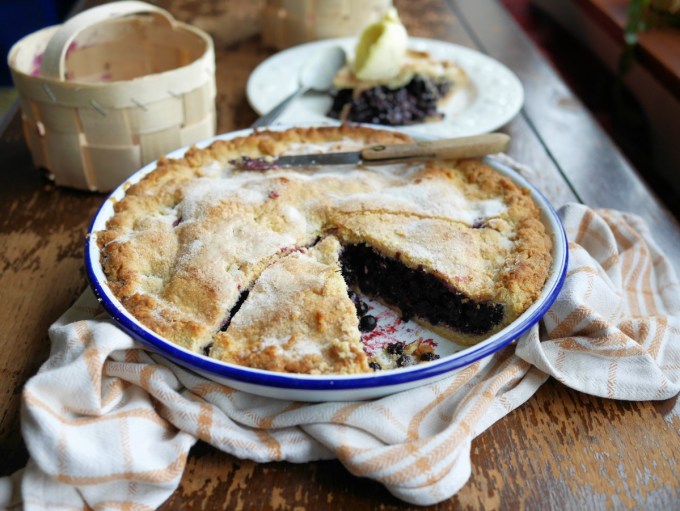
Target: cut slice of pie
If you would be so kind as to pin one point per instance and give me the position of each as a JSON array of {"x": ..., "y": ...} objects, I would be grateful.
[
  {"x": 413, "y": 95},
  {"x": 462, "y": 251},
  {"x": 298, "y": 317},
  {"x": 433, "y": 270}
]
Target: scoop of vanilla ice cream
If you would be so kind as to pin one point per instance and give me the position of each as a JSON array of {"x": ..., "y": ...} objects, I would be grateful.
[{"x": 381, "y": 49}]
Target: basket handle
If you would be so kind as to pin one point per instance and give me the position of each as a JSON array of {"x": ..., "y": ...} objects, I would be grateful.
[{"x": 54, "y": 58}]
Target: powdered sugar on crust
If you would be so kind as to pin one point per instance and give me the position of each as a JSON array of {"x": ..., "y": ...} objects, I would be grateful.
[{"x": 428, "y": 199}]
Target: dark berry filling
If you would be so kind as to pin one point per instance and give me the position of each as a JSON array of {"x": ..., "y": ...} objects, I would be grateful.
[
  {"x": 375, "y": 366},
  {"x": 410, "y": 104},
  {"x": 234, "y": 310},
  {"x": 406, "y": 360},
  {"x": 362, "y": 307},
  {"x": 396, "y": 348},
  {"x": 478, "y": 223},
  {"x": 416, "y": 292},
  {"x": 428, "y": 356},
  {"x": 367, "y": 323},
  {"x": 248, "y": 163}
]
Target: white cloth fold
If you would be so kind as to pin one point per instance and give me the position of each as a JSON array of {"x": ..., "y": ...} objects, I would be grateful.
[
  {"x": 110, "y": 424},
  {"x": 614, "y": 329}
]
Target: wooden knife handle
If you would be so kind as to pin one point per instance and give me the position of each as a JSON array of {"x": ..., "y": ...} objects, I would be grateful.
[{"x": 448, "y": 148}]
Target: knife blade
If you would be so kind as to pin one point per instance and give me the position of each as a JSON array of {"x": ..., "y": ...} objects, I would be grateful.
[{"x": 450, "y": 148}]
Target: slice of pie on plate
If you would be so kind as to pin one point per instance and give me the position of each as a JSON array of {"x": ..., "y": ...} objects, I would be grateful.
[{"x": 414, "y": 95}]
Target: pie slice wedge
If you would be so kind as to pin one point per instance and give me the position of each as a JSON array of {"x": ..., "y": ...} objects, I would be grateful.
[{"x": 298, "y": 318}]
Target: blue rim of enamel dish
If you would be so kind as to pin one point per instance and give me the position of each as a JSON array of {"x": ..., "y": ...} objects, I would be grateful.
[{"x": 387, "y": 378}]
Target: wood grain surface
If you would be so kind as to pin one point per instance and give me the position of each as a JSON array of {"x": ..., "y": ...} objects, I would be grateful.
[{"x": 561, "y": 450}]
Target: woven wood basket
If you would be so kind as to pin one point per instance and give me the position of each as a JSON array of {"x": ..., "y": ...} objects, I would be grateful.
[
  {"x": 290, "y": 22},
  {"x": 112, "y": 89}
]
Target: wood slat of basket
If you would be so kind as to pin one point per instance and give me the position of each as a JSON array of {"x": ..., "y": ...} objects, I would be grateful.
[
  {"x": 159, "y": 142},
  {"x": 201, "y": 130},
  {"x": 107, "y": 166},
  {"x": 155, "y": 117},
  {"x": 97, "y": 127},
  {"x": 64, "y": 158},
  {"x": 34, "y": 142},
  {"x": 197, "y": 104},
  {"x": 57, "y": 118}
]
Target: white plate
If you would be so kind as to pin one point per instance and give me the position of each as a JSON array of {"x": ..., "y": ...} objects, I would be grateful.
[
  {"x": 490, "y": 99},
  {"x": 303, "y": 387}
]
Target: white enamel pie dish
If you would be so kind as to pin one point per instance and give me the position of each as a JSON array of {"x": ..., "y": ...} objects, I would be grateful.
[{"x": 303, "y": 387}]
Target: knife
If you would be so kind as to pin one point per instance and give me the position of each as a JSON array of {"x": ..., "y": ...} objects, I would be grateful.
[{"x": 446, "y": 149}]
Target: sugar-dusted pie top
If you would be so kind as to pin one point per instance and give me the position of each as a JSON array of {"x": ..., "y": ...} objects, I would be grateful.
[{"x": 244, "y": 265}]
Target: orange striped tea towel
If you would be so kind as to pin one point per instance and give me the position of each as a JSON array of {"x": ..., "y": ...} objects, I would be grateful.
[{"x": 109, "y": 424}]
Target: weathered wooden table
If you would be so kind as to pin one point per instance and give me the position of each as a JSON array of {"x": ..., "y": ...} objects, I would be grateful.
[{"x": 561, "y": 450}]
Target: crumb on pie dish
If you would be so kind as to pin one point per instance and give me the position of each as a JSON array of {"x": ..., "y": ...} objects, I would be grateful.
[{"x": 266, "y": 269}]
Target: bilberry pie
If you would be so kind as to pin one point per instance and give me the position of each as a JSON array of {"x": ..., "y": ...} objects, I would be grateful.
[{"x": 263, "y": 268}]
